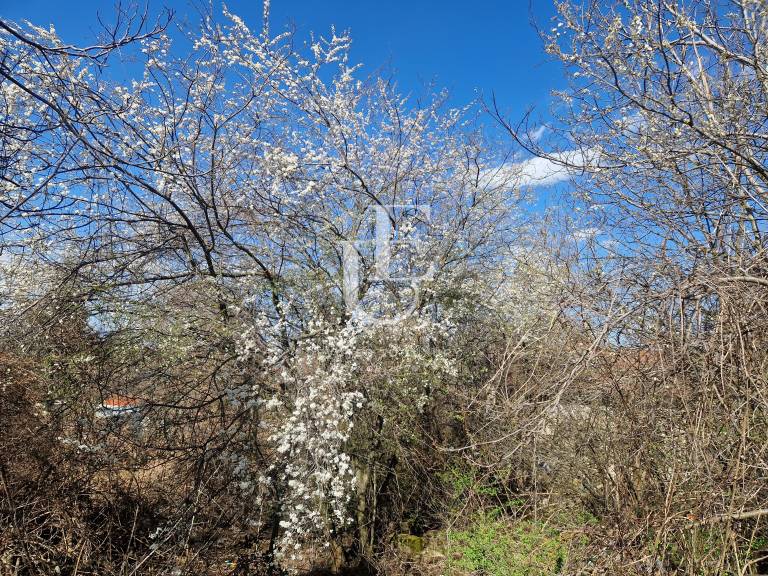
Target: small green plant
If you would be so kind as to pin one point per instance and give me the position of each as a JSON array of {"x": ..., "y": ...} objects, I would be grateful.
[
  {"x": 462, "y": 481},
  {"x": 759, "y": 543}
]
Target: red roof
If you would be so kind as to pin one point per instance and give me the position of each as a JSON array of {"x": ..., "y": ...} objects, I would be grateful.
[{"x": 120, "y": 401}]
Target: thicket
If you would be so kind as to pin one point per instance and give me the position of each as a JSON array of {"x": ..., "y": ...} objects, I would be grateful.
[{"x": 339, "y": 334}]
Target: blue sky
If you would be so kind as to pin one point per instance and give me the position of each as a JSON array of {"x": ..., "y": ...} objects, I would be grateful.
[{"x": 466, "y": 47}]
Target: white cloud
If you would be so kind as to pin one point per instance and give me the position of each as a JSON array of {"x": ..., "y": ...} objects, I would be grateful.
[
  {"x": 537, "y": 171},
  {"x": 542, "y": 172}
]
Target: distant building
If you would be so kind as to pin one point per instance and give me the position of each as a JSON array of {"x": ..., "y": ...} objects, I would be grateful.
[
  {"x": 118, "y": 406},
  {"x": 122, "y": 412}
]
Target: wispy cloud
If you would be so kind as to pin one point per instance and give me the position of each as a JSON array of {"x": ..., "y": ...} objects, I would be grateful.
[{"x": 539, "y": 132}]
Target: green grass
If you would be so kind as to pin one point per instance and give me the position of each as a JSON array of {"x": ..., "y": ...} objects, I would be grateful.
[{"x": 494, "y": 547}]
